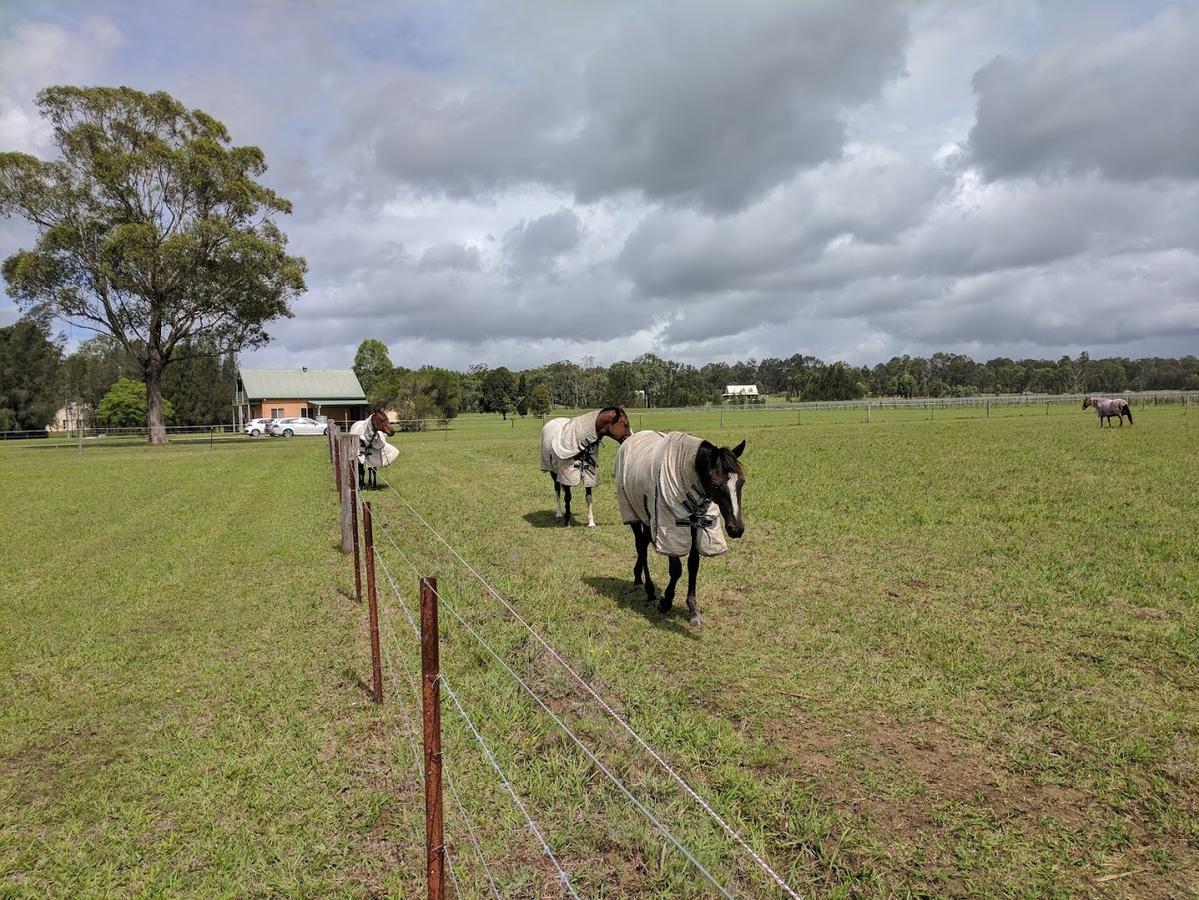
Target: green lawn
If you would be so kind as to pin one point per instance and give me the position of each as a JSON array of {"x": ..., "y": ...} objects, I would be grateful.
[{"x": 950, "y": 656}]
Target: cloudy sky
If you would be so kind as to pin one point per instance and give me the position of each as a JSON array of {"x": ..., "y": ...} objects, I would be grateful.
[{"x": 514, "y": 183}]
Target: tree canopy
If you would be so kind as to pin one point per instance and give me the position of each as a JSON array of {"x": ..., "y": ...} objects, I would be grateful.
[
  {"x": 124, "y": 406},
  {"x": 372, "y": 364},
  {"x": 29, "y": 376},
  {"x": 151, "y": 227}
]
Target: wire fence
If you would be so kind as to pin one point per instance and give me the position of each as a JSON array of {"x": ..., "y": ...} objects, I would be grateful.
[
  {"x": 638, "y": 798},
  {"x": 741, "y": 414}
]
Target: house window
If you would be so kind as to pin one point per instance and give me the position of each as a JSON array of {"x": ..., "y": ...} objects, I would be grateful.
[
  {"x": 304, "y": 412},
  {"x": 276, "y": 413}
]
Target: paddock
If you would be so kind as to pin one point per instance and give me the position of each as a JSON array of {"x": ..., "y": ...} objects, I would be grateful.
[{"x": 919, "y": 669}]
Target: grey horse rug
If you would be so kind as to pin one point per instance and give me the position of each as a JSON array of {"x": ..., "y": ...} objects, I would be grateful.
[
  {"x": 375, "y": 453},
  {"x": 657, "y": 485},
  {"x": 570, "y": 450}
]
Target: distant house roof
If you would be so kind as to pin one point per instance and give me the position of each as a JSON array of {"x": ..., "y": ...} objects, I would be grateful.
[
  {"x": 328, "y": 385},
  {"x": 740, "y": 390}
]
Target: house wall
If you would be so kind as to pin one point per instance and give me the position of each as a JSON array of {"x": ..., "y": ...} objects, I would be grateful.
[{"x": 265, "y": 409}]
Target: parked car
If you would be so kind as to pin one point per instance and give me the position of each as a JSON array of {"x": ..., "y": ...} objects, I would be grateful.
[
  {"x": 289, "y": 427},
  {"x": 256, "y": 427}
]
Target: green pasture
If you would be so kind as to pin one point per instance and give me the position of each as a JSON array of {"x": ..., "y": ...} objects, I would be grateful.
[{"x": 952, "y": 655}]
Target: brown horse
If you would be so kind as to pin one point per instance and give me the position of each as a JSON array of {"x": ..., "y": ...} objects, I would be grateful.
[
  {"x": 373, "y": 447},
  {"x": 570, "y": 452}
]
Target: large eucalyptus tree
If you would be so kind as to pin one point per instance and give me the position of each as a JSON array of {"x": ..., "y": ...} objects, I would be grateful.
[{"x": 151, "y": 227}]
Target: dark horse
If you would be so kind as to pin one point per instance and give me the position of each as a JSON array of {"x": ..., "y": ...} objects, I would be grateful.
[
  {"x": 612, "y": 422},
  {"x": 1109, "y": 408},
  {"x": 717, "y": 477},
  {"x": 372, "y": 446}
]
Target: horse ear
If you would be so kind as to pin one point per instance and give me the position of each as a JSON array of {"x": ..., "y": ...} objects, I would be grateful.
[{"x": 739, "y": 449}]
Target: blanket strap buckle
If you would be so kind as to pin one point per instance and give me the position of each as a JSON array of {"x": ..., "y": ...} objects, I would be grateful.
[{"x": 696, "y": 505}]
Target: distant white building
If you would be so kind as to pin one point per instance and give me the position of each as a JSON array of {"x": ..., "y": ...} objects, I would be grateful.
[
  {"x": 741, "y": 392},
  {"x": 69, "y": 417}
]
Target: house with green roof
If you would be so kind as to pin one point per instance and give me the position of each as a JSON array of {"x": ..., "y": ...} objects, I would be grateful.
[{"x": 333, "y": 394}]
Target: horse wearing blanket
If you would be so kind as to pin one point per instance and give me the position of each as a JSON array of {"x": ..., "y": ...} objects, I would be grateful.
[
  {"x": 1107, "y": 408},
  {"x": 570, "y": 452},
  {"x": 673, "y": 489},
  {"x": 373, "y": 450}
]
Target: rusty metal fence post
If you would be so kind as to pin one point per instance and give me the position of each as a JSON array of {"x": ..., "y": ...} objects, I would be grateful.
[
  {"x": 368, "y": 534},
  {"x": 430, "y": 665}
]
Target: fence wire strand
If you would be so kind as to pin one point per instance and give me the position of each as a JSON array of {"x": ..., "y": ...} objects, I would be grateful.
[
  {"x": 595, "y": 760},
  {"x": 449, "y": 780},
  {"x": 662, "y": 763}
]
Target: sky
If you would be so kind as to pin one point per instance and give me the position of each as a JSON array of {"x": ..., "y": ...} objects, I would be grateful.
[{"x": 518, "y": 183}]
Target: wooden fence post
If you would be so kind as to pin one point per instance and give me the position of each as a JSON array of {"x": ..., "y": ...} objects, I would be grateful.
[
  {"x": 354, "y": 529},
  {"x": 368, "y": 534},
  {"x": 337, "y": 461},
  {"x": 431, "y": 700},
  {"x": 349, "y": 464}
]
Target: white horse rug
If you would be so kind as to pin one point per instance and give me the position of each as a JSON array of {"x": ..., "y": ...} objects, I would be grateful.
[
  {"x": 657, "y": 485},
  {"x": 570, "y": 449},
  {"x": 376, "y": 453}
]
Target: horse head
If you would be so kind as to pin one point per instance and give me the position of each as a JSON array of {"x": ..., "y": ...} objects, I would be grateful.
[
  {"x": 380, "y": 422},
  {"x": 1087, "y": 402},
  {"x": 722, "y": 477},
  {"x": 613, "y": 422}
]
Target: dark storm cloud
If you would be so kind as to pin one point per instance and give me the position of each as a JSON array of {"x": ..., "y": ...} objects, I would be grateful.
[
  {"x": 1124, "y": 104},
  {"x": 689, "y": 102},
  {"x": 517, "y": 183},
  {"x": 533, "y": 246},
  {"x": 449, "y": 256}
]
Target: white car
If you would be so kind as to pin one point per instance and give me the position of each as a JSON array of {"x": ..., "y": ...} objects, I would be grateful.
[
  {"x": 289, "y": 427},
  {"x": 256, "y": 427}
]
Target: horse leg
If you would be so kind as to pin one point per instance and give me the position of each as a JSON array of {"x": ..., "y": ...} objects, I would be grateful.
[
  {"x": 692, "y": 572},
  {"x": 361, "y": 475},
  {"x": 638, "y": 562},
  {"x": 557, "y": 496},
  {"x": 643, "y": 539},
  {"x": 566, "y": 516},
  {"x": 590, "y": 515},
  {"x": 676, "y": 569}
]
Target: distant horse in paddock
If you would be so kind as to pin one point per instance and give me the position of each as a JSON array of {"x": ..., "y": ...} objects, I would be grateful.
[
  {"x": 570, "y": 452},
  {"x": 1107, "y": 408},
  {"x": 673, "y": 489},
  {"x": 373, "y": 450}
]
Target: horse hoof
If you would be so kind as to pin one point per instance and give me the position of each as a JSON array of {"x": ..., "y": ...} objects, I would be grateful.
[
  {"x": 592, "y": 525},
  {"x": 665, "y": 606},
  {"x": 697, "y": 621}
]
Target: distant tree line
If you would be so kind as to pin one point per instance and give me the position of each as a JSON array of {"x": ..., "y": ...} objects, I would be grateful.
[
  {"x": 651, "y": 381},
  {"x": 37, "y": 378}
]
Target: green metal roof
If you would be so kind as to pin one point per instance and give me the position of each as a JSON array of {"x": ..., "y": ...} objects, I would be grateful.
[
  {"x": 342, "y": 401},
  {"x": 324, "y": 385}
]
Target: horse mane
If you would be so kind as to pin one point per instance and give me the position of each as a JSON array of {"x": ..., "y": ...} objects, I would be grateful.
[
  {"x": 619, "y": 410},
  {"x": 730, "y": 462}
]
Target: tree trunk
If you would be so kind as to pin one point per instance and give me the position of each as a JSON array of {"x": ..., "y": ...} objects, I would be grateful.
[{"x": 158, "y": 430}]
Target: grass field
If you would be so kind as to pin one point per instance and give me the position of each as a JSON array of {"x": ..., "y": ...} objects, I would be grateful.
[{"x": 950, "y": 656}]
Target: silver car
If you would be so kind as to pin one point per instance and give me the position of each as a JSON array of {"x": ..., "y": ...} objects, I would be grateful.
[
  {"x": 290, "y": 427},
  {"x": 256, "y": 427}
]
